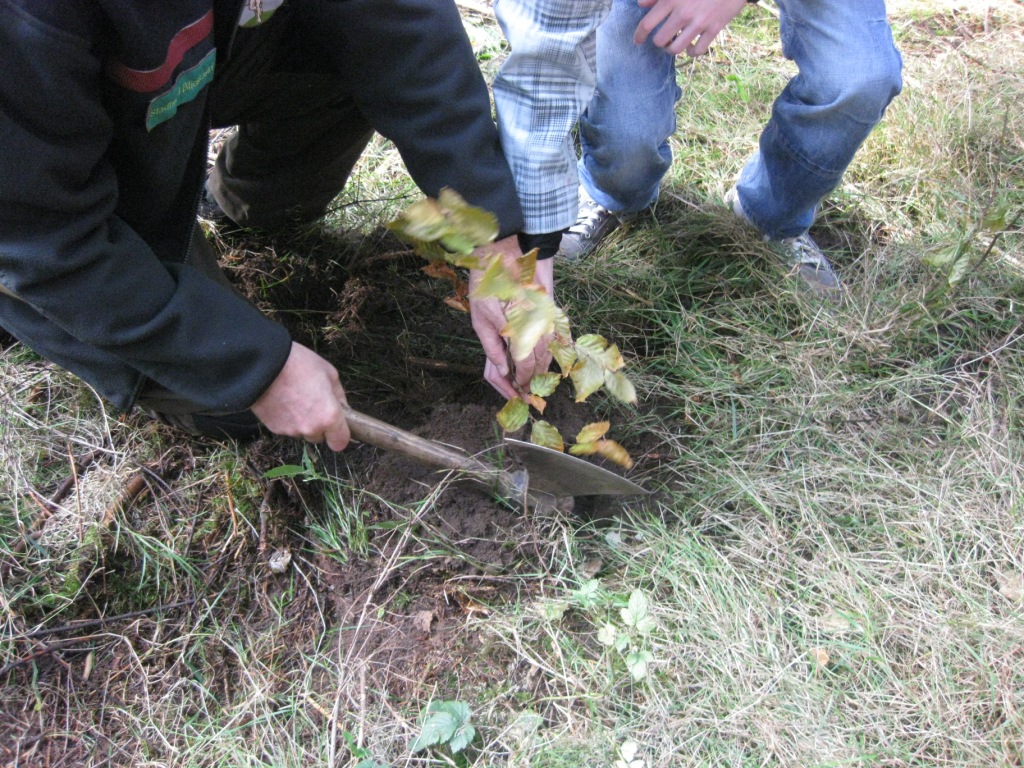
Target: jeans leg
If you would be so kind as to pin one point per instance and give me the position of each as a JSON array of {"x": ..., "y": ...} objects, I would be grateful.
[
  {"x": 848, "y": 73},
  {"x": 624, "y": 132},
  {"x": 299, "y": 134}
]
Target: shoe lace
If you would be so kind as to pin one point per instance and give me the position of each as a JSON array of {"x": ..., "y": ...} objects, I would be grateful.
[
  {"x": 590, "y": 216},
  {"x": 804, "y": 250}
]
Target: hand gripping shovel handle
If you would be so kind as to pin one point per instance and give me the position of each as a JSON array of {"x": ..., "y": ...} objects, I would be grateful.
[{"x": 366, "y": 429}]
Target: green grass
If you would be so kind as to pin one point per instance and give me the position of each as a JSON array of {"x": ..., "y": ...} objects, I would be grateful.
[{"x": 833, "y": 557}]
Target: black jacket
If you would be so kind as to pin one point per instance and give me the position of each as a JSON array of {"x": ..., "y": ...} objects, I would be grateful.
[{"x": 103, "y": 146}]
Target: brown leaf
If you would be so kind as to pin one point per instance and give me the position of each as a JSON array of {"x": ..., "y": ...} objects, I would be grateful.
[
  {"x": 537, "y": 402},
  {"x": 462, "y": 305},
  {"x": 820, "y": 656},
  {"x": 1011, "y": 585},
  {"x": 422, "y": 620}
]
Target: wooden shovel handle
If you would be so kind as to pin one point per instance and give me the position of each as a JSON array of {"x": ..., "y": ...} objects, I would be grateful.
[{"x": 380, "y": 434}]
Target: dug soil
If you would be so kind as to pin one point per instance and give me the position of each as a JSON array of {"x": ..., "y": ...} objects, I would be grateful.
[{"x": 428, "y": 550}]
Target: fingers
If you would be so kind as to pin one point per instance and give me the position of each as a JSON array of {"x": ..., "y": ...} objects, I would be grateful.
[
  {"x": 337, "y": 435},
  {"x": 488, "y": 319},
  {"x": 305, "y": 401},
  {"x": 649, "y": 23},
  {"x": 500, "y": 381},
  {"x": 685, "y": 26}
]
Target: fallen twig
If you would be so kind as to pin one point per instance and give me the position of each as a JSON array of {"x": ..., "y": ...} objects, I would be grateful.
[{"x": 65, "y": 628}]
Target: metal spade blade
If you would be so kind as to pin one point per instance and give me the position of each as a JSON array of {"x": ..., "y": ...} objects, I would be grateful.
[
  {"x": 547, "y": 471},
  {"x": 561, "y": 474}
]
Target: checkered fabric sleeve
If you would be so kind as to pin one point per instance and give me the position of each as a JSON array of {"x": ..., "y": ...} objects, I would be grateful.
[{"x": 540, "y": 92}]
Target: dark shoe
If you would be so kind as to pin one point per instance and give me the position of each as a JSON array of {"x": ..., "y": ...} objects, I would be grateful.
[
  {"x": 802, "y": 254},
  {"x": 593, "y": 224},
  {"x": 242, "y": 426}
]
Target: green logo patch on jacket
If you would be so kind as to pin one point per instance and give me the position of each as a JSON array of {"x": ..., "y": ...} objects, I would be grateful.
[{"x": 186, "y": 87}]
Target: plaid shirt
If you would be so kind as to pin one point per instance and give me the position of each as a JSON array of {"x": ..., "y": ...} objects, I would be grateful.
[{"x": 540, "y": 92}]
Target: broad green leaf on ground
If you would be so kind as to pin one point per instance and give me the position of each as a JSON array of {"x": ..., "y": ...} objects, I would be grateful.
[
  {"x": 547, "y": 435},
  {"x": 637, "y": 662},
  {"x": 514, "y": 414},
  {"x": 437, "y": 727},
  {"x": 637, "y": 613},
  {"x": 552, "y": 610},
  {"x": 606, "y": 634},
  {"x": 445, "y": 722},
  {"x": 995, "y": 218},
  {"x": 589, "y": 593},
  {"x": 961, "y": 268},
  {"x": 944, "y": 257},
  {"x": 285, "y": 470}
]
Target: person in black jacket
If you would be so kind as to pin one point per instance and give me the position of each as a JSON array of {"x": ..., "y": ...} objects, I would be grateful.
[{"x": 105, "y": 111}]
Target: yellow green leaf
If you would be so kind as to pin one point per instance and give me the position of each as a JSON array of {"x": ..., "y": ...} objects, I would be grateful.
[
  {"x": 546, "y": 435},
  {"x": 591, "y": 345},
  {"x": 514, "y": 414},
  {"x": 620, "y": 387},
  {"x": 527, "y": 266},
  {"x": 476, "y": 225},
  {"x": 562, "y": 325},
  {"x": 423, "y": 220},
  {"x": 593, "y": 432},
  {"x": 464, "y": 260},
  {"x": 529, "y": 321},
  {"x": 564, "y": 354},
  {"x": 457, "y": 243},
  {"x": 583, "y": 449},
  {"x": 612, "y": 358},
  {"x": 497, "y": 283},
  {"x": 995, "y": 218},
  {"x": 544, "y": 384},
  {"x": 430, "y": 251},
  {"x": 588, "y": 377}
]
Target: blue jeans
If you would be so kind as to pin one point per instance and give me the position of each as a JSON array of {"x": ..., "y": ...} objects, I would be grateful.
[
  {"x": 848, "y": 73},
  {"x": 625, "y": 130}
]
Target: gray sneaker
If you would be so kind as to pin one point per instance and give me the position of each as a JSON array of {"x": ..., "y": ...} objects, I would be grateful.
[
  {"x": 801, "y": 252},
  {"x": 593, "y": 224}
]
